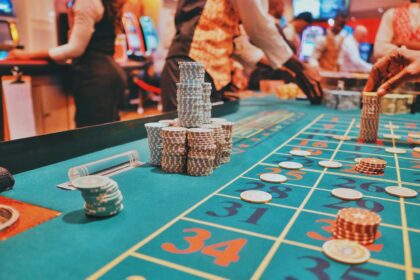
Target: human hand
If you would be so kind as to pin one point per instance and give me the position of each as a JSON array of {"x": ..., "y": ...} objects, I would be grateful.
[
  {"x": 312, "y": 73},
  {"x": 392, "y": 70},
  {"x": 307, "y": 78}
]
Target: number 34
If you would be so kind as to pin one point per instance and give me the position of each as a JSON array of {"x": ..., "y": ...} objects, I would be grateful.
[{"x": 224, "y": 252}]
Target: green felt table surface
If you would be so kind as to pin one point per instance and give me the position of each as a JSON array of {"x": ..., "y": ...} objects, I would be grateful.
[{"x": 283, "y": 244}]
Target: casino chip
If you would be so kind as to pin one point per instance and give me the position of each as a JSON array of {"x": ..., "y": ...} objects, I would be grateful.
[
  {"x": 395, "y": 150},
  {"x": 369, "y": 120},
  {"x": 169, "y": 122},
  {"x": 273, "y": 178},
  {"x": 174, "y": 149},
  {"x": 8, "y": 217},
  {"x": 401, "y": 191},
  {"x": 256, "y": 196},
  {"x": 330, "y": 164},
  {"x": 347, "y": 194},
  {"x": 290, "y": 165},
  {"x": 357, "y": 224},
  {"x": 90, "y": 182},
  {"x": 6, "y": 180},
  {"x": 357, "y": 160},
  {"x": 346, "y": 251},
  {"x": 371, "y": 166},
  {"x": 300, "y": 153},
  {"x": 101, "y": 194},
  {"x": 342, "y": 137},
  {"x": 416, "y": 149},
  {"x": 155, "y": 141},
  {"x": 392, "y": 136},
  {"x": 218, "y": 120}
]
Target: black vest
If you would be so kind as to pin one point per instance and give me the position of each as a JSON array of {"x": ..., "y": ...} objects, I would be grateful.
[{"x": 103, "y": 39}]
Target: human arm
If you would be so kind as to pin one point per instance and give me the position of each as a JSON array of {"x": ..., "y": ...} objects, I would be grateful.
[
  {"x": 384, "y": 36},
  {"x": 392, "y": 70},
  {"x": 289, "y": 33},
  {"x": 264, "y": 34},
  {"x": 86, "y": 14},
  {"x": 247, "y": 53},
  {"x": 262, "y": 31}
]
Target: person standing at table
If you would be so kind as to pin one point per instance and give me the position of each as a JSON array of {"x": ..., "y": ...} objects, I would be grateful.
[
  {"x": 350, "y": 59},
  {"x": 98, "y": 80},
  {"x": 257, "y": 65},
  {"x": 400, "y": 27},
  {"x": 205, "y": 33},
  {"x": 327, "y": 48},
  {"x": 294, "y": 29}
]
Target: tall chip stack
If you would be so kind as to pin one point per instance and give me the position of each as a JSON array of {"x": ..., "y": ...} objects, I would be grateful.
[
  {"x": 155, "y": 142},
  {"x": 174, "y": 153},
  {"x": 227, "y": 148},
  {"x": 207, "y": 103},
  {"x": 219, "y": 141},
  {"x": 201, "y": 153},
  {"x": 190, "y": 94},
  {"x": 357, "y": 224},
  {"x": 369, "y": 120},
  {"x": 194, "y": 142}
]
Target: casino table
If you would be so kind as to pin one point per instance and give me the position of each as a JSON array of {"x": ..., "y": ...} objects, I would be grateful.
[{"x": 175, "y": 226}]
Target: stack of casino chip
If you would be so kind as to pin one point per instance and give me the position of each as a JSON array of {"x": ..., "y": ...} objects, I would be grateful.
[
  {"x": 207, "y": 103},
  {"x": 227, "y": 147},
  {"x": 190, "y": 104},
  {"x": 191, "y": 72},
  {"x": 369, "y": 120},
  {"x": 174, "y": 153},
  {"x": 190, "y": 94},
  {"x": 201, "y": 153},
  {"x": 371, "y": 166},
  {"x": 155, "y": 142},
  {"x": 357, "y": 224},
  {"x": 219, "y": 141},
  {"x": 102, "y": 195}
]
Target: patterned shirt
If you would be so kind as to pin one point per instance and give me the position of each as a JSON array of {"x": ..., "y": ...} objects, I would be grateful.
[{"x": 206, "y": 30}]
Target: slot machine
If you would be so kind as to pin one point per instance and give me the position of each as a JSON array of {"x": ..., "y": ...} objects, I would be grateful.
[
  {"x": 136, "y": 49},
  {"x": 150, "y": 34},
  {"x": 9, "y": 36}
]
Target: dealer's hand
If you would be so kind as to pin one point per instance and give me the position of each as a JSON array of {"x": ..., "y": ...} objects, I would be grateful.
[
  {"x": 392, "y": 70},
  {"x": 307, "y": 78}
]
